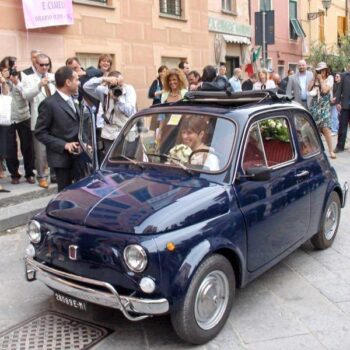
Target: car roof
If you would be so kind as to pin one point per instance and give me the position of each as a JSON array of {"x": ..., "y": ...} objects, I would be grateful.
[{"x": 225, "y": 103}]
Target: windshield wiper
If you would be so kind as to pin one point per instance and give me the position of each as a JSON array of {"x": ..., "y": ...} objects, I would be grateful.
[
  {"x": 131, "y": 160},
  {"x": 172, "y": 160}
]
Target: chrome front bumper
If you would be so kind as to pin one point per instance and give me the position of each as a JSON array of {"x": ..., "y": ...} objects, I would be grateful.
[{"x": 73, "y": 285}]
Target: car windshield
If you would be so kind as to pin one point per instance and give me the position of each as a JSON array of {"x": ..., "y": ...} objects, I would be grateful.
[{"x": 186, "y": 141}]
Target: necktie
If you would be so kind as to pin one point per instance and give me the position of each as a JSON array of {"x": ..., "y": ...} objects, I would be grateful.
[
  {"x": 47, "y": 89},
  {"x": 72, "y": 105}
]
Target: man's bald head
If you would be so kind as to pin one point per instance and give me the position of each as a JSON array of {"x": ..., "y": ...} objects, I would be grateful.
[{"x": 302, "y": 66}]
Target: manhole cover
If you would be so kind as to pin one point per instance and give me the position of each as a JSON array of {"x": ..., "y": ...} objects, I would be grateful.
[{"x": 51, "y": 330}]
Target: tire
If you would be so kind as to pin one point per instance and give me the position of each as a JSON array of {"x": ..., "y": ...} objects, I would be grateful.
[
  {"x": 329, "y": 223},
  {"x": 193, "y": 322}
]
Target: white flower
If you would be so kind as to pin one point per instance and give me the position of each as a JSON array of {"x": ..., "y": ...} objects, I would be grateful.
[{"x": 181, "y": 152}]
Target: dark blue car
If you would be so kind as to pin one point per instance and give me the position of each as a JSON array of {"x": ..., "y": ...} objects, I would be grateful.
[{"x": 194, "y": 199}]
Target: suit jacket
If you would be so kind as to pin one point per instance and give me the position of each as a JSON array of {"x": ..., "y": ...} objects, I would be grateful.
[
  {"x": 343, "y": 91},
  {"x": 28, "y": 71},
  {"x": 293, "y": 86},
  {"x": 35, "y": 94},
  {"x": 57, "y": 124}
]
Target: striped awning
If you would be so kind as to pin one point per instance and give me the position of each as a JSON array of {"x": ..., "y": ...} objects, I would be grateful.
[{"x": 236, "y": 39}]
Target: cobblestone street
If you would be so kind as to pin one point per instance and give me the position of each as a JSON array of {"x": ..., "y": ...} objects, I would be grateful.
[{"x": 302, "y": 303}]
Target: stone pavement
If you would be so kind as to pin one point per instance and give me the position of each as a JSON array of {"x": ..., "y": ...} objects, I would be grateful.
[{"x": 302, "y": 303}]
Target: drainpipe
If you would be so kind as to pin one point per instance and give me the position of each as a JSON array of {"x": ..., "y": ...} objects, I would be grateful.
[
  {"x": 347, "y": 16},
  {"x": 309, "y": 11}
]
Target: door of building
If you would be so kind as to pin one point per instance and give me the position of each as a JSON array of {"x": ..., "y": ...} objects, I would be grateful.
[{"x": 232, "y": 62}]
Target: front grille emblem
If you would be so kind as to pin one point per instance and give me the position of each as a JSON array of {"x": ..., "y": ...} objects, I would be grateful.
[{"x": 73, "y": 252}]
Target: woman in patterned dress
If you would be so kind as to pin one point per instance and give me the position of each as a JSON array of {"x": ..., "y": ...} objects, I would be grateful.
[{"x": 321, "y": 86}]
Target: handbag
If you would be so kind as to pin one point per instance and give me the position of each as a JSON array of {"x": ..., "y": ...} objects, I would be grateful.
[
  {"x": 313, "y": 92},
  {"x": 5, "y": 110}
]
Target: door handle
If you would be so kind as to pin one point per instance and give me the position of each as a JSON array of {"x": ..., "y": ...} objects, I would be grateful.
[{"x": 303, "y": 173}]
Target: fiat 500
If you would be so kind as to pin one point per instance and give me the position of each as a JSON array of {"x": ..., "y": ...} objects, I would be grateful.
[{"x": 193, "y": 200}]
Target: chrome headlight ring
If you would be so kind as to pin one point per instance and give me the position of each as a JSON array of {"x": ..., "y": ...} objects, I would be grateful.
[
  {"x": 34, "y": 231},
  {"x": 135, "y": 258}
]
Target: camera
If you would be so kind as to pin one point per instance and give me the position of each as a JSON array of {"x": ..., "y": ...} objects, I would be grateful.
[
  {"x": 12, "y": 69},
  {"x": 116, "y": 90}
]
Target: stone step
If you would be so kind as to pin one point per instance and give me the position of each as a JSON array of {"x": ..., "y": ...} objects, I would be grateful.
[
  {"x": 18, "y": 214},
  {"x": 24, "y": 192}
]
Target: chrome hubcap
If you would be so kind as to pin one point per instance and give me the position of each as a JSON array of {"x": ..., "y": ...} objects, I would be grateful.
[
  {"x": 211, "y": 300},
  {"x": 331, "y": 221}
]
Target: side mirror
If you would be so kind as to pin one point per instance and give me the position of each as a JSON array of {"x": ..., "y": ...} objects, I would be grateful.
[{"x": 262, "y": 173}]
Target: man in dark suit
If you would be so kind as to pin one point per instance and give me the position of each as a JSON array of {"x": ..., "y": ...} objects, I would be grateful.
[
  {"x": 57, "y": 127},
  {"x": 343, "y": 105},
  {"x": 31, "y": 69}
]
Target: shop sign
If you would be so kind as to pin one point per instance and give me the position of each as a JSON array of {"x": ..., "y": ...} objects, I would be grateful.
[
  {"x": 228, "y": 27},
  {"x": 47, "y": 13}
]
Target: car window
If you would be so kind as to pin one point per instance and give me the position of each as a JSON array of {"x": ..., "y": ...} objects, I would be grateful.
[
  {"x": 276, "y": 137},
  {"x": 196, "y": 142},
  {"x": 307, "y": 136},
  {"x": 254, "y": 152},
  {"x": 268, "y": 143}
]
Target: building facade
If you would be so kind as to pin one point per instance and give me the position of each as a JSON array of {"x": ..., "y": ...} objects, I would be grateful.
[
  {"x": 287, "y": 49},
  {"x": 139, "y": 34},
  {"x": 321, "y": 26}
]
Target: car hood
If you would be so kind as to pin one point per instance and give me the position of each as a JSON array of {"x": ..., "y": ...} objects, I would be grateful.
[{"x": 139, "y": 203}]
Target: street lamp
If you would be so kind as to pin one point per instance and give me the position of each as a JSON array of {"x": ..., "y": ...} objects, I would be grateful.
[{"x": 326, "y": 5}]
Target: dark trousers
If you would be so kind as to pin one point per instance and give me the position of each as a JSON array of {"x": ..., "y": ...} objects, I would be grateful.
[
  {"x": 106, "y": 145},
  {"x": 64, "y": 177},
  {"x": 27, "y": 149},
  {"x": 344, "y": 119}
]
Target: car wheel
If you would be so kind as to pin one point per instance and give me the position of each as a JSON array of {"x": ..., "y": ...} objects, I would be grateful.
[
  {"x": 329, "y": 223},
  {"x": 207, "y": 303}
]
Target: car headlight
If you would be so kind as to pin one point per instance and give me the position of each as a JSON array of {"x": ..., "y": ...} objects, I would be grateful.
[
  {"x": 34, "y": 231},
  {"x": 135, "y": 258}
]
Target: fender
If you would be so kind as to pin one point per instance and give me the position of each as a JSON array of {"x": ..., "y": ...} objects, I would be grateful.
[
  {"x": 195, "y": 257},
  {"x": 332, "y": 186}
]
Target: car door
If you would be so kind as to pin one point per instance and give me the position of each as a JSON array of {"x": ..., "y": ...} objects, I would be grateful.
[
  {"x": 87, "y": 136},
  {"x": 313, "y": 160},
  {"x": 277, "y": 211}
]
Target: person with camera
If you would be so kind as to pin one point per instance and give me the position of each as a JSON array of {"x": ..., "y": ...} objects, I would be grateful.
[
  {"x": 118, "y": 100},
  {"x": 36, "y": 88},
  {"x": 4, "y": 90},
  {"x": 20, "y": 125},
  {"x": 57, "y": 127}
]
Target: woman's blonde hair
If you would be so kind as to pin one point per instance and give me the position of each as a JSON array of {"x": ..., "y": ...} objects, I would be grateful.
[
  {"x": 180, "y": 76},
  {"x": 265, "y": 72}
]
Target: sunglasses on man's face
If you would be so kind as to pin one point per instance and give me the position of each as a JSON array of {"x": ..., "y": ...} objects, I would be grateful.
[{"x": 44, "y": 64}]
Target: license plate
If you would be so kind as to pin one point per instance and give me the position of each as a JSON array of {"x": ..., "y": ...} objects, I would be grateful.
[{"x": 72, "y": 302}]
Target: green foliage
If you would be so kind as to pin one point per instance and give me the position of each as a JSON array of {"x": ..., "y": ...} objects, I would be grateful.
[{"x": 336, "y": 56}]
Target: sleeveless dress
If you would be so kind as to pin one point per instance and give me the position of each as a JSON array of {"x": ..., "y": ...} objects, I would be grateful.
[{"x": 320, "y": 108}]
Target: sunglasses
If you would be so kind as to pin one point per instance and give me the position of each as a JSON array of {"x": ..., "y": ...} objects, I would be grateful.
[{"x": 44, "y": 64}]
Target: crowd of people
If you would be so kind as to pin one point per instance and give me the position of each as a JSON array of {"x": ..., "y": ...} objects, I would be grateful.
[{"x": 46, "y": 107}]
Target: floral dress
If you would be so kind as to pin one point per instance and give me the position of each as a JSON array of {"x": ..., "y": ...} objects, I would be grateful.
[{"x": 320, "y": 108}]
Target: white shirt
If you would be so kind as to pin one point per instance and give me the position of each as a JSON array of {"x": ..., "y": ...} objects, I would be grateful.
[
  {"x": 236, "y": 84},
  {"x": 64, "y": 96},
  {"x": 270, "y": 84},
  {"x": 303, "y": 87}
]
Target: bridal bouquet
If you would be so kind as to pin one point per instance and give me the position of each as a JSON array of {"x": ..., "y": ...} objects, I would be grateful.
[{"x": 181, "y": 152}]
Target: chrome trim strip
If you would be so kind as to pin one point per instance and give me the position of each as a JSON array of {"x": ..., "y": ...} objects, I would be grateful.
[
  {"x": 345, "y": 192},
  {"x": 55, "y": 279}
]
